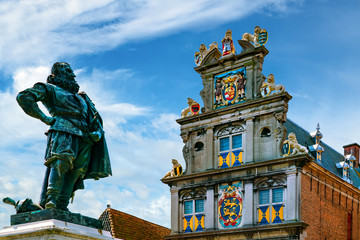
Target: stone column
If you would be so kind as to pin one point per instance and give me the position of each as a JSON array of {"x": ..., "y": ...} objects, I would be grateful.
[
  {"x": 248, "y": 207},
  {"x": 209, "y": 209},
  {"x": 249, "y": 151},
  {"x": 291, "y": 196},
  {"x": 249, "y": 83},
  {"x": 175, "y": 214},
  {"x": 209, "y": 148}
]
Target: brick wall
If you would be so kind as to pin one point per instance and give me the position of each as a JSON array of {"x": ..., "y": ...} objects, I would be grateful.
[{"x": 326, "y": 210}]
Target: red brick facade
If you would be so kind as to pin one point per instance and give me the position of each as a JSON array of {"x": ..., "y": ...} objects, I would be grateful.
[
  {"x": 353, "y": 149},
  {"x": 329, "y": 206}
]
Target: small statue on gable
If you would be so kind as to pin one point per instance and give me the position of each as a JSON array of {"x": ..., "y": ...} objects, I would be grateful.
[
  {"x": 199, "y": 56},
  {"x": 292, "y": 147},
  {"x": 259, "y": 38},
  {"x": 192, "y": 109},
  {"x": 269, "y": 87},
  {"x": 175, "y": 171},
  {"x": 218, "y": 91},
  {"x": 241, "y": 83},
  {"x": 227, "y": 44}
]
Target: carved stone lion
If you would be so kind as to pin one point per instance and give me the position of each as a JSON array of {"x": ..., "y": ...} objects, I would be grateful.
[
  {"x": 175, "y": 171},
  {"x": 294, "y": 145},
  {"x": 187, "y": 111},
  {"x": 269, "y": 87},
  {"x": 252, "y": 38}
]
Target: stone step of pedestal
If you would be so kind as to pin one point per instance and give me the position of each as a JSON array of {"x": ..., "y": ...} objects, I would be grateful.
[
  {"x": 61, "y": 215},
  {"x": 53, "y": 229}
]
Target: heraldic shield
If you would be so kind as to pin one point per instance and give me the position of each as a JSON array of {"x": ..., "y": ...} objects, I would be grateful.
[
  {"x": 230, "y": 88},
  {"x": 230, "y": 204},
  {"x": 286, "y": 149}
]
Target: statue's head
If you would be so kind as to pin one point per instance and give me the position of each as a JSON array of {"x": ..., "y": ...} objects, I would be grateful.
[
  {"x": 257, "y": 29},
  {"x": 271, "y": 78},
  {"x": 202, "y": 48},
  {"x": 292, "y": 137},
  {"x": 63, "y": 76},
  {"x": 174, "y": 161}
]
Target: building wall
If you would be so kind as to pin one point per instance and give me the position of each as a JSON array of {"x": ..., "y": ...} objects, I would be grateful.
[{"x": 326, "y": 206}]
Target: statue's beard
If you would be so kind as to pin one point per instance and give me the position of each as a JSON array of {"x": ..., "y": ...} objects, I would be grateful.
[{"x": 70, "y": 85}]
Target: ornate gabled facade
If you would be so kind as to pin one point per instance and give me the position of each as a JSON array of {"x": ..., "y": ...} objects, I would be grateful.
[{"x": 247, "y": 165}]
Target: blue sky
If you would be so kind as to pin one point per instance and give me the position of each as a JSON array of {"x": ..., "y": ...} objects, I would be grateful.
[{"x": 135, "y": 60}]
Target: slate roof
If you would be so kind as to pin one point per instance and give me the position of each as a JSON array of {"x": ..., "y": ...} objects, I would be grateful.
[
  {"x": 329, "y": 157},
  {"x": 128, "y": 227}
]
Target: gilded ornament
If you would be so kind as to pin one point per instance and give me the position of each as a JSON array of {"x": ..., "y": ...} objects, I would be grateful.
[
  {"x": 175, "y": 171},
  {"x": 227, "y": 44},
  {"x": 269, "y": 87},
  {"x": 292, "y": 147},
  {"x": 259, "y": 38},
  {"x": 203, "y": 51},
  {"x": 192, "y": 109}
]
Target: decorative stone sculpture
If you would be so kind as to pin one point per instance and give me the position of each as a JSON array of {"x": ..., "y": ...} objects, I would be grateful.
[
  {"x": 192, "y": 109},
  {"x": 292, "y": 147},
  {"x": 259, "y": 38},
  {"x": 203, "y": 51},
  {"x": 227, "y": 44},
  {"x": 21, "y": 206},
  {"x": 269, "y": 87},
  {"x": 76, "y": 147},
  {"x": 175, "y": 171}
]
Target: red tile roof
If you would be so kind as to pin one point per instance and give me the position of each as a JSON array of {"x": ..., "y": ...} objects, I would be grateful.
[{"x": 125, "y": 226}]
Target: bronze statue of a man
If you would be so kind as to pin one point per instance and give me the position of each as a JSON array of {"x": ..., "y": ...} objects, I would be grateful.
[{"x": 76, "y": 147}]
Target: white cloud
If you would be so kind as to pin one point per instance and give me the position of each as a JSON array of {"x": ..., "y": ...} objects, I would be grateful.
[{"x": 39, "y": 32}]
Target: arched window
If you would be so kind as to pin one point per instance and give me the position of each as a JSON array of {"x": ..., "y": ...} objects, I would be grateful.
[
  {"x": 230, "y": 146},
  {"x": 193, "y": 202},
  {"x": 270, "y": 198}
]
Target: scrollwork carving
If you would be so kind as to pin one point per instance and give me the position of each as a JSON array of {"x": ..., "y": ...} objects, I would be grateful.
[{"x": 230, "y": 130}]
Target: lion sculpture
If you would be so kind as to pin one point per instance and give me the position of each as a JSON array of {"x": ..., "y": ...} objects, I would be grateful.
[
  {"x": 269, "y": 87},
  {"x": 175, "y": 171},
  {"x": 252, "y": 38},
  {"x": 187, "y": 111},
  {"x": 203, "y": 51},
  {"x": 294, "y": 145}
]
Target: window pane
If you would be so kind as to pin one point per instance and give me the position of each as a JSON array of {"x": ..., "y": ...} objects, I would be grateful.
[
  {"x": 264, "y": 197},
  {"x": 224, "y": 144},
  {"x": 199, "y": 205},
  {"x": 237, "y": 141},
  {"x": 277, "y": 195},
  {"x": 188, "y": 207}
]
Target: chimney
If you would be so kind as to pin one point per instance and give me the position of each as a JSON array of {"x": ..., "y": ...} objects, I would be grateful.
[{"x": 353, "y": 149}]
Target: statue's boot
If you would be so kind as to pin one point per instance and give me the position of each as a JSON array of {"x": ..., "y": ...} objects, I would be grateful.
[
  {"x": 67, "y": 191},
  {"x": 56, "y": 182}
]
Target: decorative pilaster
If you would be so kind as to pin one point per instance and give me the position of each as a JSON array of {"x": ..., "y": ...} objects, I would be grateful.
[
  {"x": 249, "y": 140},
  {"x": 209, "y": 143},
  {"x": 248, "y": 207},
  {"x": 209, "y": 209},
  {"x": 292, "y": 202},
  {"x": 175, "y": 213}
]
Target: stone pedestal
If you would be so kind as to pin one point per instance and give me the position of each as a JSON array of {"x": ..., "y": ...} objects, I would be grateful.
[{"x": 52, "y": 229}]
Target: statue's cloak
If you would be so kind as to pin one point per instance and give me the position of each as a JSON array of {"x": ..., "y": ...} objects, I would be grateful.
[{"x": 99, "y": 162}]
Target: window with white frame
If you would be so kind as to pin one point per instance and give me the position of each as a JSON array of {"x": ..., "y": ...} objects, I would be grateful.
[
  {"x": 230, "y": 146},
  {"x": 271, "y": 206},
  {"x": 194, "y": 215}
]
